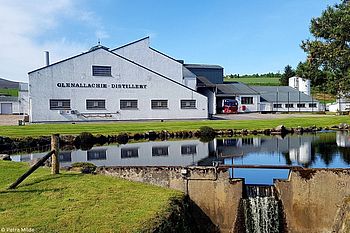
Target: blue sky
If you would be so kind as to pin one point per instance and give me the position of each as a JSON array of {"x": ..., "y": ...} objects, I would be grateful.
[{"x": 244, "y": 37}]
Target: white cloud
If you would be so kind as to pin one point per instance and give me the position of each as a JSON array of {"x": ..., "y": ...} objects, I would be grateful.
[{"x": 23, "y": 22}]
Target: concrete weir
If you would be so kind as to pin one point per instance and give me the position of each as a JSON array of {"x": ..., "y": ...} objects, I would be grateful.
[{"x": 314, "y": 200}]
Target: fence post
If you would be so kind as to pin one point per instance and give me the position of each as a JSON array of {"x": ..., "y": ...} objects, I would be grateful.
[{"x": 55, "y": 145}]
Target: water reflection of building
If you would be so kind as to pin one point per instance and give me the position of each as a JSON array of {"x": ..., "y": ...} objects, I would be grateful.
[
  {"x": 343, "y": 139},
  {"x": 297, "y": 147},
  {"x": 157, "y": 153}
]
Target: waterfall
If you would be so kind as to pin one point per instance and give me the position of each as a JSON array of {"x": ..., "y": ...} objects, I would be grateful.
[{"x": 261, "y": 210}]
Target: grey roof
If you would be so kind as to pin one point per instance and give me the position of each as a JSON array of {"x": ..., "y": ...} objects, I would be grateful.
[
  {"x": 8, "y": 98},
  {"x": 234, "y": 88},
  {"x": 204, "y": 82},
  {"x": 281, "y": 94},
  {"x": 187, "y": 73},
  {"x": 203, "y": 66}
]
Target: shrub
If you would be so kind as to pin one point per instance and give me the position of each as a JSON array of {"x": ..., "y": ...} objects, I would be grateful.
[{"x": 84, "y": 167}]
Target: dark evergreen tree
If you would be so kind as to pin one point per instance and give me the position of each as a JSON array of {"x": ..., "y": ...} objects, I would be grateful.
[{"x": 288, "y": 73}]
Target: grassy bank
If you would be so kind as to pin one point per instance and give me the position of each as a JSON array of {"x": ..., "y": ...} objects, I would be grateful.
[
  {"x": 140, "y": 127},
  {"x": 72, "y": 202}
]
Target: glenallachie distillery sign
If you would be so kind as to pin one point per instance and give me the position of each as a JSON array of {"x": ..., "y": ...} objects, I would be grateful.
[{"x": 102, "y": 85}]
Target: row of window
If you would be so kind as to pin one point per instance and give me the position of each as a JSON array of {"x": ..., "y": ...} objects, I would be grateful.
[
  {"x": 64, "y": 104},
  {"x": 101, "y": 154},
  {"x": 312, "y": 105}
]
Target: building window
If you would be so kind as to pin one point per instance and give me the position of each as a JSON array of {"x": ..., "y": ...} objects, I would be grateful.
[
  {"x": 65, "y": 156},
  {"x": 277, "y": 105},
  {"x": 97, "y": 154},
  {"x": 128, "y": 104},
  {"x": 246, "y": 100},
  {"x": 188, "y": 149},
  {"x": 60, "y": 104},
  {"x": 101, "y": 71},
  {"x": 188, "y": 104},
  {"x": 289, "y": 105},
  {"x": 301, "y": 105},
  {"x": 160, "y": 151},
  {"x": 129, "y": 153},
  {"x": 159, "y": 104},
  {"x": 313, "y": 105},
  {"x": 95, "y": 104}
]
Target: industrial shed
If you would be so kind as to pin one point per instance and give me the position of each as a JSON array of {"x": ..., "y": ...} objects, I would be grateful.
[{"x": 285, "y": 99}]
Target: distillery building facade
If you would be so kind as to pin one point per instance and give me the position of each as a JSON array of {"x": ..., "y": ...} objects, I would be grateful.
[{"x": 132, "y": 82}]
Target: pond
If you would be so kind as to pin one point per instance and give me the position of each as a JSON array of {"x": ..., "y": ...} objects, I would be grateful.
[{"x": 321, "y": 150}]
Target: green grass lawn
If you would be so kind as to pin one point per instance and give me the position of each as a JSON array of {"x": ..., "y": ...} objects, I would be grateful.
[
  {"x": 72, "y": 202},
  {"x": 12, "y": 92},
  {"x": 255, "y": 81},
  {"x": 35, "y": 130}
]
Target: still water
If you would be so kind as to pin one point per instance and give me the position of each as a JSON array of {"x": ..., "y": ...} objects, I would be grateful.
[{"x": 322, "y": 150}]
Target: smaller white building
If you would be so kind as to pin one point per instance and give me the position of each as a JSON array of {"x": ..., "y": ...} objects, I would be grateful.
[
  {"x": 301, "y": 84},
  {"x": 15, "y": 104}
]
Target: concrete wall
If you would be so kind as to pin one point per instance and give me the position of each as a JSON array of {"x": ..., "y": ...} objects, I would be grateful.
[
  {"x": 44, "y": 86},
  {"x": 312, "y": 199},
  {"x": 211, "y": 190}
]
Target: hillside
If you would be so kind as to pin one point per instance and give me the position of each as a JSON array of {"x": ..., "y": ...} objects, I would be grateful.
[{"x": 7, "y": 84}]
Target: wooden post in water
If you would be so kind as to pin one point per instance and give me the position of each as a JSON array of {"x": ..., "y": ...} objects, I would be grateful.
[{"x": 55, "y": 144}]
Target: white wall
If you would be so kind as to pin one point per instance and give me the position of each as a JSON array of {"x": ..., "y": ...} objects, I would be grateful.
[
  {"x": 43, "y": 87},
  {"x": 145, "y": 158},
  {"x": 255, "y": 107},
  {"x": 141, "y": 53},
  {"x": 295, "y": 108}
]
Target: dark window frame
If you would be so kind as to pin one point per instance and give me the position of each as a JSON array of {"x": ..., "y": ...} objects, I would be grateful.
[
  {"x": 247, "y": 100},
  {"x": 188, "y": 149},
  {"x": 96, "y": 107},
  {"x": 277, "y": 105},
  {"x": 163, "y": 149},
  {"x": 312, "y": 105},
  {"x": 101, "y": 71},
  {"x": 301, "y": 106},
  {"x": 290, "y": 106},
  {"x": 124, "y": 104},
  {"x": 96, "y": 154},
  {"x": 160, "y": 104},
  {"x": 59, "y": 106},
  {"x": 188, "y": 104},
  {"x": 126, "y": 153}
]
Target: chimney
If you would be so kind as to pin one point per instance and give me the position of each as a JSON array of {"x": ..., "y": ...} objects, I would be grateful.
[{"x": 47, "y": 55}]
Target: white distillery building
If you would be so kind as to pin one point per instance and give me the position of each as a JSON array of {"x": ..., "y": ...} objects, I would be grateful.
[
  {"x": 132, "y": 82},
  {"x": 15, "y": 104}
]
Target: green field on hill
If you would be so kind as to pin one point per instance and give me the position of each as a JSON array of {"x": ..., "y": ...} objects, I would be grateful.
[
  {"x": 11, "y": 92},
  {"x": 74, "y": 202},
  {"x": 257, "y": 81}
]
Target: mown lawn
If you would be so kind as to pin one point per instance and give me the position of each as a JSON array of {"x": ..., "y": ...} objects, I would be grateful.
[
  {"x": 72, "y": 202},
  {"x": 35, "y": 130}
]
